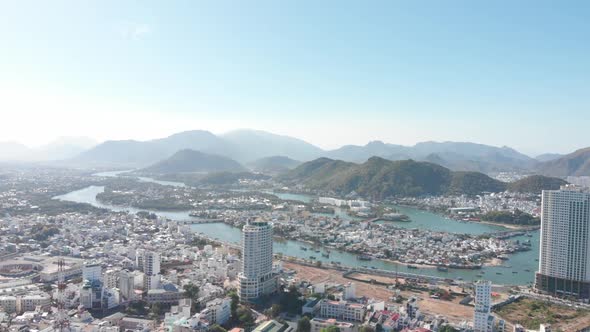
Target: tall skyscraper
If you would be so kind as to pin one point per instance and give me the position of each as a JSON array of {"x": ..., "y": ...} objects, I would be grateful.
[
  {"x": 482, "y": 320},
  {"x": 564, "y": 255},
  {"x": 257, "y": 277}
]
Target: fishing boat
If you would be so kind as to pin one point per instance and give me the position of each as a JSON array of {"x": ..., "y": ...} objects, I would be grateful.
[
  {"x": 442, "y": 269},
  {"x": 414, "y": 267},
  {"x": 311, "y": 257},
  {"x": 326, "y": 255},
  {"x": 303, "y": 248}
]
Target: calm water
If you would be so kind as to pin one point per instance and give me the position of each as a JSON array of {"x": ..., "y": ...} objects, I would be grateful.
[{"x": 420, "y": 219}]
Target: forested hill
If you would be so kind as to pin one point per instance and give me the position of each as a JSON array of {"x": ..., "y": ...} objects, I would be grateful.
[{"x": 379, "y": 178}]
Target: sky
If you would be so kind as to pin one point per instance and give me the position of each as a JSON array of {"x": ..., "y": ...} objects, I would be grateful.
[{"x": 513, "y": 73}]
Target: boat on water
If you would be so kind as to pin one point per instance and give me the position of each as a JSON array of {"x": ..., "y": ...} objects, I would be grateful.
[
  {"x": 442, "y": 268},
  {"x": 311, "y": 257},
  {"x": 326, "y": 255},
  {"x": 303, "y": 248},
  {"x": 414, "y": 267},
  {"x": 527, "y": 270},
  {"x": 514, "y": 272},
  {"x": 364, "y": 257},
  {"x": 498, "y": 273}
]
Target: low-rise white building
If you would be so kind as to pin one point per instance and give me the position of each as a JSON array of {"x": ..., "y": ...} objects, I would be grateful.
[
  {"x": 342, "y": 310},
  {"x": 317, "y": 324},
  {"x": 217, "y": 311}
]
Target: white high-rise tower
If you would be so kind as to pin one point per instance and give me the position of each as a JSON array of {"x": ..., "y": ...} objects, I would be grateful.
[
  {"x": 482, "y": 320},
  {"x": 564, "y": 255},
  {"x": 150, "y": 265},
  {"x": 257, "y": 277}
]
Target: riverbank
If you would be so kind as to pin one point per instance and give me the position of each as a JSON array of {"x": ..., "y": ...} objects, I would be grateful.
[
  {"x": 511, "y": 226},
  {"x": 492, "y": 262},
  {"x": 523, "y": 262}
]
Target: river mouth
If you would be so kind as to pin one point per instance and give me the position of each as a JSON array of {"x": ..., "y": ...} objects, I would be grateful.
[{"x": 521, "y": 272}]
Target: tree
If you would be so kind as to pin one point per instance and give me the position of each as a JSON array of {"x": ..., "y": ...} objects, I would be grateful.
[
  {"x": 367, "y": 328},
  {"x": 245, "y": 317},
  {"x": 137, "y": 308},
  {"x": 217, "y": 328},
  {"x": 156, "y": 309},
  {"x": 274, "y": 311},
  {"x": 447, "y": 328},
  {"x": 330, "y": 329},
  {"x": 192, "y": 292},
  {"x": 290, "y": 301},
  {"x": 235, "y": 301},
  {"x": 303, "y": 325}
]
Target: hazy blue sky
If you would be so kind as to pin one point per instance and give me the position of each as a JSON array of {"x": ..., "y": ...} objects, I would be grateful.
[{"x": 331, "y": 72}]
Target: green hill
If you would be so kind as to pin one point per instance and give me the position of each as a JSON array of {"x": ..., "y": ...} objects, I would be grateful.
[
  {"x": 318, "y": 172},
  {"x": 191, "y": 161},
  {"x": 473, "y": 183},
  {"x": 379, "y": 178},
  {"x": 376, "y": 178},
  {"x": 274, "y": 164},
  {"x": 536, "y": 183}
]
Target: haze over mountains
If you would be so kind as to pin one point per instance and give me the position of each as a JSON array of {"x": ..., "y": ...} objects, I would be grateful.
[
  {"x": 261, "y": 150},
  {"x": 59, "y": 149}
]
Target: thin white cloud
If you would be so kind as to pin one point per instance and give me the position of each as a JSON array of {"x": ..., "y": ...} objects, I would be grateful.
[{"x": 135, "y": 31}]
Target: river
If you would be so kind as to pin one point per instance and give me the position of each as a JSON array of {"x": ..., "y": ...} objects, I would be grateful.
[{"x": 519, "y": 262}]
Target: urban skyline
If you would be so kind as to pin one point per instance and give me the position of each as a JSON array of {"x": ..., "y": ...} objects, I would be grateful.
[{"x": 295, "y": 166}]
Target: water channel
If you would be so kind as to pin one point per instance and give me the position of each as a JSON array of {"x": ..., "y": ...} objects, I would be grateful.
[{"x": 518, "y": 270}]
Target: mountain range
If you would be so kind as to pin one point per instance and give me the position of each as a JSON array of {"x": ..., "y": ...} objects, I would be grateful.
[
  {"x": 576, "y": 163},
  {"x": 380, "y": 178},
  {"x": 253, "y": 146},
  {"x": 59, "y": 149}
]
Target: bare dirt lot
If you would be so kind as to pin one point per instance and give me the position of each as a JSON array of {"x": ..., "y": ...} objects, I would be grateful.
[
  {"x": 452, "y": 310},
  {"x": 530, "y": 313}
]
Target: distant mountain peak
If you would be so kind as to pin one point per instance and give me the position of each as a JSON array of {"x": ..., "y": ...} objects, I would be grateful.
[{"x": 191, "y": 161}]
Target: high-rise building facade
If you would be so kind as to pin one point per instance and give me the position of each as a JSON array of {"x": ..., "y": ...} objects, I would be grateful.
[
  {"x": 149, "y": 263},
  {"x": 483, "y": 321},
  {"x": 564, "y": 255},
  {"x": 92, "y": 271},
  {"x": 151, "y": 268},
  {"x": 257, "y": 277}
]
